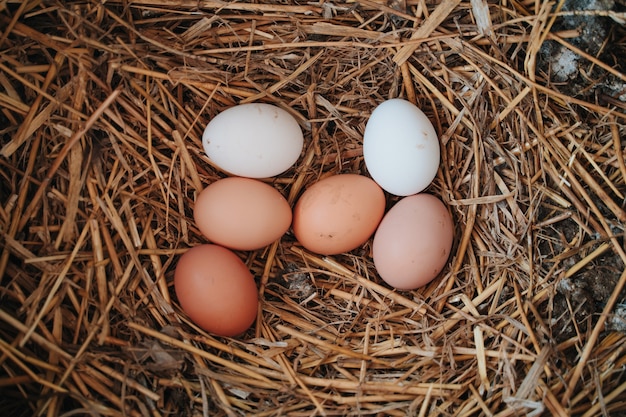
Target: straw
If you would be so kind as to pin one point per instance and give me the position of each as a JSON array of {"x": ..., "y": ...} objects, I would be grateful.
[{"x": 102, "y": 109}]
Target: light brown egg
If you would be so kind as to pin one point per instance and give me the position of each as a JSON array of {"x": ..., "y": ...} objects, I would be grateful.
[
  {"x": 338, "y": 213},
  {"x": 216, "y": 290},
  {"x": 413, "y": 242},
  {"x": 242, "y": 213}
]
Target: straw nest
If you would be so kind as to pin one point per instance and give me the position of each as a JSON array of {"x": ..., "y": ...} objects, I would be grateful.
[{"x": 102, "y": 107}]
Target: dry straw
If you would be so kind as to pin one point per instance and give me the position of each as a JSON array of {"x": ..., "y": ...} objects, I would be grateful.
[{"x": 102, "y": 106}]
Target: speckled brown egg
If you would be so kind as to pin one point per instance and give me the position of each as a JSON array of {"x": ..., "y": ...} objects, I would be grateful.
[{"x": 338, "y": 214}]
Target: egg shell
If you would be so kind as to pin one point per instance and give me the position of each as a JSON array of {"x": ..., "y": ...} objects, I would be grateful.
[
  {"x": 338, "y": 214},
  {"x": 254, "y": 140},
  {"x": 216, "y": 290},
  {"x": 242, "y": 213},
  {"x": 413, "y": 242},
  {"x": 400, "y": 147}
]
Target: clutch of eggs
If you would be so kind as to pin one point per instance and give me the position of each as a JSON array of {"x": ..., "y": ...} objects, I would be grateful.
[{"x": 337, "y": 214}]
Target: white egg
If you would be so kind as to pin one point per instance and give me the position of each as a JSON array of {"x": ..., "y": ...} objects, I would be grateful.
[
  {"x": 401, "y": 148},
  {"x": 255, "y": 140}
]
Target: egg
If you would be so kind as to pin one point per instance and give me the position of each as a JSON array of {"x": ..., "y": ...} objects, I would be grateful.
[
  {"x": 400, "y": 148},
  {"x": 254, "y": 140},
  {"x": 338, "y": 213},
  {"x": 216, "y": 290},
  {"x": 413, "y": 242},
  {"x": 242, "y": 213}
]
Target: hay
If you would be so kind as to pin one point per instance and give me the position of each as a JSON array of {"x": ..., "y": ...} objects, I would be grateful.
[{"x": 102, "y": 106}]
